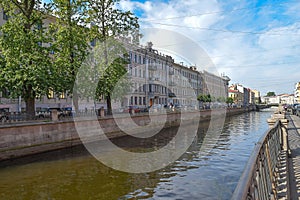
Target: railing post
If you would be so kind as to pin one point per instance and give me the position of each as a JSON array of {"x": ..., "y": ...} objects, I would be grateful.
[
  {"x": 285, "y": 145},
  {"x": 54, "y": 115}
]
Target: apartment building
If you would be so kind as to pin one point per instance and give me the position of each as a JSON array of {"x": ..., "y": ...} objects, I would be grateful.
[
  {"x": 286, "y": 98},
  {"x": 216, "y": 86},
  {"x": 279, "y": 99},
  {"x": 241, "y": 95},
  {"x": 236, "y": 95},
  {"x": 257, "y": 99},
  {"x": 159, "y": 80}
]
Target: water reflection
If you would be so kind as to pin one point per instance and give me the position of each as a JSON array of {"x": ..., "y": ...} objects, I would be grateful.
[{"x": 201, "y": 173}]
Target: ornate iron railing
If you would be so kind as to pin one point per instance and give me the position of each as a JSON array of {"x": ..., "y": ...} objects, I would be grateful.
[{"x": 259, "y": 179}]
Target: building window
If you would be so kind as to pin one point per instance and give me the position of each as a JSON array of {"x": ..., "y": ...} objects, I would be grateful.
[
  {"x": 140, "y": 100},
  {"x": 62, "y": 95},
  {"x": 135, "y": 101},
  {"x": 5, "y": 16},
  {"x": 130, "y": 57},
  {"x": 131, "y": 100},
  {"x": 50, "y": 94}
]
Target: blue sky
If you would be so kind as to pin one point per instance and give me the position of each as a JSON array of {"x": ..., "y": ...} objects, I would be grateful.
[{"x": 255, "y": 43}]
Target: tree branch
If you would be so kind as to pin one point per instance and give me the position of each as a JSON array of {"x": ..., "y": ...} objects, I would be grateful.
[{"x": 19, "y": 6}]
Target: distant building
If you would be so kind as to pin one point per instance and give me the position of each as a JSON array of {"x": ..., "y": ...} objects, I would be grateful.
[
  {"x": 257, "y": 98},
  {"x": 297, "y": 92},
  {"x": 251, "y": 96},
  {"x": 271, "y": 99},
  {"x": 236, "y": 95},
  {"x": 286, "y": 98},
  {"x": 216, "y": 86},
  {"x": 243, "y": 96},
  {"x": 279, "y": 99}
]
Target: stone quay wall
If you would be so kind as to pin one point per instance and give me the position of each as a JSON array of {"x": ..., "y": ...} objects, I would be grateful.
[{"x": 17, "y": 140}]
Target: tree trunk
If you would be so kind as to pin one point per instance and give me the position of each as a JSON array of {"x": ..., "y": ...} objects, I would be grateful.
[
  {"x": 75, "y": 99},
  {"x": 29, "y": 97},
  {"x": 30, "y": 107},
  {"x": 108, "y": 103}
]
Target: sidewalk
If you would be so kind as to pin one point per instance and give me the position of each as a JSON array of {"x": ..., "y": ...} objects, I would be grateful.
[{"x": 294, "y": 160}]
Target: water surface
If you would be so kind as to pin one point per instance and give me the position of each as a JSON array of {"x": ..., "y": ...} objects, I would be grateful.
[{"x": 201, "y": 173}]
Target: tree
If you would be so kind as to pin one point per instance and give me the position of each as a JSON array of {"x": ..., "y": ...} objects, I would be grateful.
[
  {"x": 229, "y": 100},
  {"x": 201, "y": 98},
  {"x": 27, "y": 71},
  {"x": 110, "y": 71},
  {"x": 107, "y": 21},
  {"x": 70, "y": 43},
  {"x": 270, "y": 94}
]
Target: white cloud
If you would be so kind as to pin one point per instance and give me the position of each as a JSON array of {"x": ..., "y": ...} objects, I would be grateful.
[{"x": 246, "y": 58}]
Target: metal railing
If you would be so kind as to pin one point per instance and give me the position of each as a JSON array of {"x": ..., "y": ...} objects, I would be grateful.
[
  {"x": 259, "y": 179},
  {"x": 17, "y": 117}
]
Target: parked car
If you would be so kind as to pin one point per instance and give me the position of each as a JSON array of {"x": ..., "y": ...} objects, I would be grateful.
[
  {"x": 67, "y": 111},
  {"x": 4, "y": 114},
  {"x": 294, "y": 106},
  {"x": 297, "y": 110},
  {"x": 46, "y": 112},
  {"x": 42, "y": 112}
]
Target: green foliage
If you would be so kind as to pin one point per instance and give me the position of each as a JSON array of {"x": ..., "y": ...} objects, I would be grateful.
[
  {"x": 270, "y": 94},
  {"x": 36, "y": 58},
  {"x": 107, "y": 21},
  {"x": 204, "y": 98},
  {"x": 229, "y": 100},
  {"x": 70, "y": 43},
  {"x": 27, "y": 71}
]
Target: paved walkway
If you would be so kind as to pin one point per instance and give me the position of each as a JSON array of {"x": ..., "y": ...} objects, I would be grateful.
[{"x": 294, "y": 160}]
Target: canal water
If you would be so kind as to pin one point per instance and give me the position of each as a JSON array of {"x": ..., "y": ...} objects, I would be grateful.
[{"x": 74, "y": 174}]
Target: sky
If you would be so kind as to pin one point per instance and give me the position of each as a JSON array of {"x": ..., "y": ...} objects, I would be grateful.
[{"x": 256, "y": 43}]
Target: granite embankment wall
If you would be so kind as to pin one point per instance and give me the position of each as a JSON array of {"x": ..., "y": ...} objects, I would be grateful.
[{"x": 17, "y": 140}]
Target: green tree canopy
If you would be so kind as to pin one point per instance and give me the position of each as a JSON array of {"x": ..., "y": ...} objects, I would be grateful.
[
  {"x": 27, "y": 71},
  {"x": 204, "y": 98},
  {"x": 107, "y": 21},
  {"x": 229, "y": 100},
  {"x": 70, "y": 43},
  {"x": 270, "y": 94}
]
